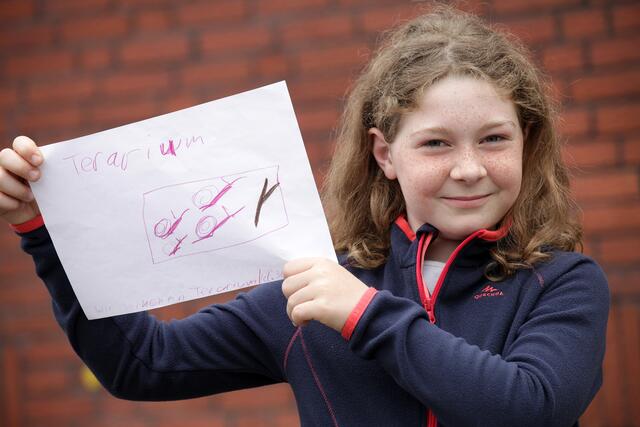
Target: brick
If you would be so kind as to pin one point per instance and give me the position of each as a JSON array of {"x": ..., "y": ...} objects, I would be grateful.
[
  {"x": 626, "y": 17},
  {"x": 89, "y": 29},
  {"x": 380, "y": 19},
  {"x": 119, "y": 409},
  {"x": 213, "y": 73},
  {"x": 237, "y": 39},
  {"x": 590, "y": 154},
  {"x": 152, "y": 20},
  {"x": 574, "y": 122},
  {"x": 317, "y": 28},
  {"x": 165, "y": 49},
  {"x": 116, "y": 115},
  {"x": 208, "y": 13},
  {"x": 618, "y": 118},
  {"x": 11, "y": 393},
  {"x": 290, "y": 419},
  {"x": 621, "y": 250},
  {"x": 179, "y": 102},
  {"x": 534, "y": 30},
  {"x": 107, "y": 420},
  {"x": 46, "y": 381},
  {"x": 72, "y": 7},
  {"x": 169, "y": 410},
  {"x": 615, "y": 184},
  {"x": 318, "y": 120},
  {"x": 584, "y": 23},
  {"x": 612, "y": 217},
  {"x": 510, "y": 6},
  {"x": 14, "y": 269},
  {"x": 630, "y": 321},
  {"x": 126, "y": 83},
  {"x": 8, "y": 97},
  {"x": 280, "y": 6},
  {"x": 594, "y": 412},
  {"x": 250, "y": 420},
  {"x": 274, "y": 396},
  {"x": 59, "y": 408},
  {"x": 32, "y": 324},
  {"x": 69, "y": 90},
  {"x": 22, "y": 295},
  {"x": 614, "y": 367},
  {"x": 25, "y": 38},
  {"x": 40, "y": 63},
  {"x": 615, "y": 51},
  {"x": 364, "y": 2},
  {"x": 340, "y": 57},
  {"x": 209, "y": 420},
  {"x": 53, "y": 119},
  {"x": 624, "y": 283},
  {"x": 273, "y": 66},
  {"x": 610, "y": 85},
  {"x": 325, "y": 89},
  {"x": 631, "y": 151},
  {"x": 16, "y": 9},
  {"x": 95, "y": 58},
  {"x": 559, "y": 58},
  {"x": 589, "y": 247}
]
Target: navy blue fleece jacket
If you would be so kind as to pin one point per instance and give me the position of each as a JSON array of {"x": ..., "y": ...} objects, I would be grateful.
[{"x": 526, "y": 351}]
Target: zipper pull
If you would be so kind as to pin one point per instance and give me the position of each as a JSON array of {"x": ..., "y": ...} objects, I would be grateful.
[{"x": 428, "y": 306}]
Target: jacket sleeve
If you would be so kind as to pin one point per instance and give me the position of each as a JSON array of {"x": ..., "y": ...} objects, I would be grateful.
[
  {"x": 547, "y": 376},
  {"x": 136, "y": 356}
]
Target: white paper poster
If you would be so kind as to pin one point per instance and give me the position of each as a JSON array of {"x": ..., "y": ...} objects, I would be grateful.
[{"x": 198, "y": 202}]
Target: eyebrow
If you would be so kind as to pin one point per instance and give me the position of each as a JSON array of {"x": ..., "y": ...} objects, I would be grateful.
[{"x": 440, "y": 129}]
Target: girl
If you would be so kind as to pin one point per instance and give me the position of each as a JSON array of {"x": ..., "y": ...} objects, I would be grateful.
[{"x": 459, "y": 300}]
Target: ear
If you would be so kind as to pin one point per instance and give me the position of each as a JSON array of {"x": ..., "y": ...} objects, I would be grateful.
[{"x": 381, "y": 151}]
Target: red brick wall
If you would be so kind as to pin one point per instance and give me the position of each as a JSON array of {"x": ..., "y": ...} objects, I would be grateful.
[{"x": 73, "y": 67}]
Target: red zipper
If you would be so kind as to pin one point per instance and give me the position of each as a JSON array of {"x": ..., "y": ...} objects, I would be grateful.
[
  {"x": 431, "y": 420},
  {"x": 428, "y": 300},
  {"x": 425, "y": 296}
]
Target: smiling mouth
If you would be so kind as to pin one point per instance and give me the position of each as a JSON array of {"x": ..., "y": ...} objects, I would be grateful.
[
  {"x": 467, "y": 202},
  {"x": 467, "y": 198}
]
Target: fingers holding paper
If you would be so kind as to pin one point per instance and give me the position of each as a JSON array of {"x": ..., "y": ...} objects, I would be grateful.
[
  {"x": 322, "y": 290},
  {"x": 18, "y": 166}
]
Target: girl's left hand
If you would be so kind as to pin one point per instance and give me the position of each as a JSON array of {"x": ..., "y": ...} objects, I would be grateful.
[{"x": 319, "y": 289}]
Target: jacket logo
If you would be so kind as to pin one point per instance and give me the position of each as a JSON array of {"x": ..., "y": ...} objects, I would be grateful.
[{"x": 488, "y": 291}]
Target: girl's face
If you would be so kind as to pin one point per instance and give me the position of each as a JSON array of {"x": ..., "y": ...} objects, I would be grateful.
[{"x": 457, "y": 158}]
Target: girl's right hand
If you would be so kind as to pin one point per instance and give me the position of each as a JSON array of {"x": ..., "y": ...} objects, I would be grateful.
[{"x": 18, "y": 166}]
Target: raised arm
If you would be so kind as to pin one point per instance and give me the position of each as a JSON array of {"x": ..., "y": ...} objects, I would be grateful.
[{"x": 135, "y": 356}]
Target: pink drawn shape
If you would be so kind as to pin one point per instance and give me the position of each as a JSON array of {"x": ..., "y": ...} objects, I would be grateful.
[
  {"x": 169, "y": 150},
  {"x": 218, "y": 225},
  {"x": 171, "y": 229},
  {"x": 220, "y": 194},
  {"x": 177, "y": 247}
]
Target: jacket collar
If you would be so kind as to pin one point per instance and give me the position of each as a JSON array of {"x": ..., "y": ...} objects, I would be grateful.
[{"x": 404, "y": 243}]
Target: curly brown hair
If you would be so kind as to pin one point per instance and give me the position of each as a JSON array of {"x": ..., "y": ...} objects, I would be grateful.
[{"x": 361, "y": 203}]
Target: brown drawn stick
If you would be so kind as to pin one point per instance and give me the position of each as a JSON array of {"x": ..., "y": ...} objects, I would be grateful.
[{"x": 264, "y": 195}]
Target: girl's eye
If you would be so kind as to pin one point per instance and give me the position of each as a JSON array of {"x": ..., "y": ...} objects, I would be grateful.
[
  {"x": 434, "y": 143},
  {"x": 493, "y": 138}
]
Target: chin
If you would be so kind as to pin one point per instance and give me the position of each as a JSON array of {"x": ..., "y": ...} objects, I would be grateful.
[{"x": 459, "y": 233}]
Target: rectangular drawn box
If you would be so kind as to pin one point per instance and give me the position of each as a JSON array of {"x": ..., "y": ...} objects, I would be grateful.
[{"x": 213, "y": 214}]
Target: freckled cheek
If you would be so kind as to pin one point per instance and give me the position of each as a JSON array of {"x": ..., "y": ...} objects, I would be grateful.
[
  {"x": 506, "y": 171},
  {"x": 430, "y": 178}
]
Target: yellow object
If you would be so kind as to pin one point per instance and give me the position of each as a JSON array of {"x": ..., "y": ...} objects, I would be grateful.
[{"x": 88, "y": 380}]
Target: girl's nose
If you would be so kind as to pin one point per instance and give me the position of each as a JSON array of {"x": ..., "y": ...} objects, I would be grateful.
[{"x": 468, "y": 167}]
